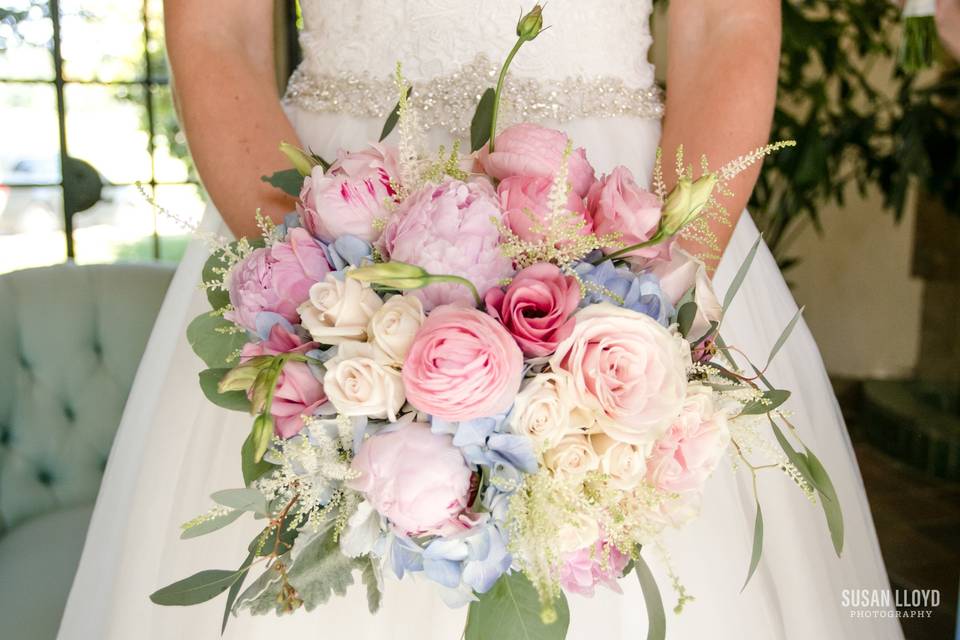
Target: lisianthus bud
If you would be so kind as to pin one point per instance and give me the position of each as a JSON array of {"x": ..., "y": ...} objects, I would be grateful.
[
  {"x": 300, "y": 159},
  {"x": 262, "y": 433},
  {"x": 241, "y": 377},
  {"x": 685, "y": 202},
  {"x": 399, "y": 275},
  {"x": 531, "y": 24}
]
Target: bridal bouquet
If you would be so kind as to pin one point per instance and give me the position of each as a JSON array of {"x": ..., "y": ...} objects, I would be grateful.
[{"x": 497, "y": 372}]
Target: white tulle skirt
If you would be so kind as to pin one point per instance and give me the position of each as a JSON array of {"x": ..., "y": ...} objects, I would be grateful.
[{"x": 174, "y": 449}]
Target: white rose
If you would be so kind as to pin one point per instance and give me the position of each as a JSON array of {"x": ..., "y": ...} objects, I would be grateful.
[
  {"x": 394, "y": 326},
  {"x": 542, "y": 410},
  {"x": 624, "y": 463},
  {"x": 359, "y": 383},
  {"x": 677, "y": 276},
  {"x": 339, "y": 310},
  {"x": 581, "y": 532},
  {"x": 572, "y": 456}
]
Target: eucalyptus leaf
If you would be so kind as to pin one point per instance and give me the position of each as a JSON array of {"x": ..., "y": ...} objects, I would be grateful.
[
  {"x": 770, "y": 400},
  {"x": 784, "y": 335},
  {"x": 796, "y": 458},
  {"x": 252, "y": 469},
  {"x": 482, "y": 120},
  {"x": 757, "y": 546},
  {"x": 234, "y": 590},
  {"x": 210, "y": 525},
  {"x": 289, "y": 181},
  {"x": 656, "y": 617},
  {"x": 511, "y": 610},
  {"x": 741, "y": 274},
  {"x": 233, "y": 400},
  {"x": 393, "y": 118},
  {"x": 215, "y": 340},
  {"x": 828, "y": 500},
  {"x": 198, "y": 588},
  {"x": 685, "y": 317},
  {"x": 242, "y": 500}
]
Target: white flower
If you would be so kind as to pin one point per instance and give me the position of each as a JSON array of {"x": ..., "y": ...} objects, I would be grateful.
[
  {"x": 624, "y": 463},
  {"x": 580, "y": 532},
  {"x": 393, "y": 327},
  {"x": 359, "y": 383},
  {"x": 542, "y": 410},
  {"x": 362, "y": 531},
  {"x": 572, "y": 456},
  {"x": 339, "y": 310}
]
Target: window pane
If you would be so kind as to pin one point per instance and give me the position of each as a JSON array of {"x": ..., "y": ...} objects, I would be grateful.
[
  {"x": 187, "y": 203},
  {"x": 106, "y": 126},
  {"x": 31, "y": 227},
  {"x": 26, "y": 32},
  {"x": 173, "y": 163},
  {"x": 122, "y": 219},
  {"x": 30, "y": 151},
  {"x": 155, "y": 46},
  {"x": 102, "y": 39}
]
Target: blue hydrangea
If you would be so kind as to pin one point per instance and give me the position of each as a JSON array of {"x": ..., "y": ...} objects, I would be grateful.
[{"x": 637, "y": 291}]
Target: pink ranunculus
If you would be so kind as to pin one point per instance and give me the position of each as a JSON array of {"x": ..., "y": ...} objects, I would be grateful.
[
  {"x": 685, "y": 456},
  {"x": 448, "y": 229},
  {"x": 618, "y": 204},
  {"x": 350, "y": 195},
  {"x": 276, "y": 278},
  {"x": 583, "y": 569},
  {"x": 532, "y": 150},
  {"x": 524, "y": 201},
  {"x": 298, "y": 391},
  {"x": 536, "y": 308},
  {"x": 417, "y": 479},
  {"x": 462, "y": 365},
  {"x": 627, "y": 368}
]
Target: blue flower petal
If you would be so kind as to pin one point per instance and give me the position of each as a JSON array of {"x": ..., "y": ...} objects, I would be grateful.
[{"x": 517, "y": 450}]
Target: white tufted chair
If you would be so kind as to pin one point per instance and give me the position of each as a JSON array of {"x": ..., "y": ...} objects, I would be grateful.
[{"x": 71, "y": 338}]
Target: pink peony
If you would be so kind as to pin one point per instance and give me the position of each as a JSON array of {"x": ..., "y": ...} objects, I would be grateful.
[
  {"x": 448, "y": 230},
  {"x": 523, "y": 196},
  {"x": 298, "y": 392},
  {"x": 415, "y": 478},
  {"x": 628, "y": 368},
  {"x": 276, "y": 278},
  {"x": 584, "y": 569},
  {"x": 350, "y": 195},
  {"x": 532, "y": 150},
  {"x": 685, "y": 456},
  {"x": 618, "y": 204},
  {"x": 537, "y": 308},
  {"x": 462, "y": 365}
]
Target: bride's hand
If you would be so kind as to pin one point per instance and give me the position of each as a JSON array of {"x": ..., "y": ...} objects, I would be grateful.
[
  {"x": 722, "y": 64},
  {"x": 222, "y": 57}
]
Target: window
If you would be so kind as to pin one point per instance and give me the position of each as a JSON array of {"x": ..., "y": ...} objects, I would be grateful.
[{"x": 86, "y": 116}]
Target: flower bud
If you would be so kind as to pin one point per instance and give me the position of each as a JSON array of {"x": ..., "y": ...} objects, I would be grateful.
[
  {"x": 530, "y": 25},
  {"x": 242, "y": 377},
  {"x": 398, "y": 275},
  {"x": 262, "y": 433},
  {"x": 686, "y": 202},
  {"x": 261, "y": 388},
  {"x": 300, "y": 159}
]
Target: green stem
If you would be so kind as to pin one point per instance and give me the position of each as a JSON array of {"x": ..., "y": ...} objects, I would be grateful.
[
  {"x": 656, "y": 239},
  {"x": 457, "y": 280},
  {"x": 499, "y": 90}
]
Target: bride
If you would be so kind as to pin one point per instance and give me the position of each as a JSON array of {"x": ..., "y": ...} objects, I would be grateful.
[{"x": 590, "y": 72}]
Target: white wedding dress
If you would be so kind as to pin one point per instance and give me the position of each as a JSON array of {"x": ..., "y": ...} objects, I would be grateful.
[{"x": 589, "y": 74}]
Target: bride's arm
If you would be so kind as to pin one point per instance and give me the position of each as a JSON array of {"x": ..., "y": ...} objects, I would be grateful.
[
  {"x": 722, "y": 63},
  {"x": 221, "y": 55}
]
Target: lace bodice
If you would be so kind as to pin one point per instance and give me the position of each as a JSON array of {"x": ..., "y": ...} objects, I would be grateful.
[{"x": 591, "y": 61}]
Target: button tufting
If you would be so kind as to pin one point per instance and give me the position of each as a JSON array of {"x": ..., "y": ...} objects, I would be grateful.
[
  {"x": 23, "y": 361},
  {"x": 44, "y": 477},
  {"x": 98, "y": 348},
  {"x": 5, "y": 436},
  {"x": 69, "y": 413}
]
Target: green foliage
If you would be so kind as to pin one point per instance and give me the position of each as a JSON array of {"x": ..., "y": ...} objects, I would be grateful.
[
  {"x": 772, "y": 399},
  {"x": 858, "y": 120},
  {"x": 656, "y": 618},
  {"x": 511, "y": 610},
  {"x": 210, "y": 525},
  {"x": 215, "y": 340},
  {"x": 289, "y": 181},
  {"x": 198, "y": 588},
  {"x": 482, "y": 120},
  {"x": 757, "y": 546},
  {"x": 251, "y": 468},
  {"x": 393, "y": 118},
  {"x": 233, "y": 400}
]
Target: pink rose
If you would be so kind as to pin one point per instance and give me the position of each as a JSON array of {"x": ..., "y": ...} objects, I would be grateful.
[
  {"x": 619, "y": 205},
  {"x": 532, "y": 150},
  {"x": 537, "y": 308},
  {"x": 584, "y": 569},
  {"x": 523, "y": 196},
  {"x": 685, "y": 456},
  {"x": 350, "y": 195},
  {"x": 416, "y": 479},
  {"x": 626, "y": 367},
  {"x": 276, "y": 278},
  {"x": 298, "y": 392},
  {"x": 448, "y": 230},
  {"x": 462, "y": 365}
]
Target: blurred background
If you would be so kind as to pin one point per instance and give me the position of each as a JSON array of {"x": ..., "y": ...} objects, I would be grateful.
[{"x": 862, "y": 216}]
